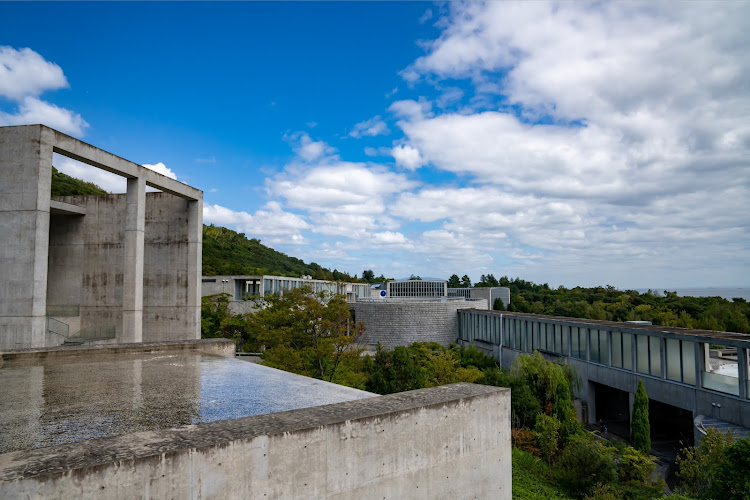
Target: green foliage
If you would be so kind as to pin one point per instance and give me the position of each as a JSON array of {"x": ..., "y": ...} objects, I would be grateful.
[
  {"x": 699, "y": 466},
  {"x": 583, "y": 464},
  {"x": 732, "y": 480},
  {"x": 226, "y": 252},
  {"x": 306, "y": 333},
  {"x": 498, "y": 305},
  {"x": 640, "y": 428},
  {"x": 368, "y": 275},
  {"x": 608, "y": 303},
  {"x": 423, "y": 365},
  {"x": 547, "y": 434},
  {"x": 531, "y": 479},
  {"x": 562, "y": 409},
  {"x": 217, "y": 322},
  {"x": 543, "y": 376},
  {"x": 465, "y": 281},
  {"x": 65, "y": 185},
  {"x": 454, "y": 281},
  {"x": 636, "y": 466}
]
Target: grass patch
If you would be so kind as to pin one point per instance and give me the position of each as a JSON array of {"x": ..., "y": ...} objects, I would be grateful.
[{"x": 531, "y": 479}]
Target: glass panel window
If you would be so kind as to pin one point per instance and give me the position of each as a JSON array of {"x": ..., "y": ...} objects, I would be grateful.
[
  {"x": 627, "y": 351},
  {"x": 674, "y": 366},
  {"x": 558, "y": 339},
  {"x": 575, "y": 346},
  {"x": 594, "y": 346},
  {"x": 655, "y": 348},
  {"x": 641, "y": 354},
  {"x": 688, "y": 362},
  {"x": 603, "y": 347},
  {"x": 565, "y": 339},
  {"x": 617, "y": 349}
]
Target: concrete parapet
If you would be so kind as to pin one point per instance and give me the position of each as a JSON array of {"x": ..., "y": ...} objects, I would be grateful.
[
  {"x": 443, "y": 442},
  {"x": 221, "y": 347}
]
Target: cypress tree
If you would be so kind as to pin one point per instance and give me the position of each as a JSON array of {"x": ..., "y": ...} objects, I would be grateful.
[
  {"x": 562, "y": 409},
  {"x": 640, "y": 429}
]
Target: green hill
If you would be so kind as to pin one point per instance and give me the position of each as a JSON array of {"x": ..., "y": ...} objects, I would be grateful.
[
  {"x": 227, "y": 252},
  {"x": 65, "y": 185}
]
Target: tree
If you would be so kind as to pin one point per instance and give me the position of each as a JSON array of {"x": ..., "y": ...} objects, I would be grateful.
[
  {"x": 698, "y": 465},
  {"x": 640, "y": 428},
  {"x": 368, "y": 275},
  {"x": 305, "y": 332},
  {"x": 454, "y": 281},
  {"x": 562, "y": 409},
  {"x": 547, "y": 433},
  {"x": 415, "y": 277},
  {"x": 465, "y": 281}
]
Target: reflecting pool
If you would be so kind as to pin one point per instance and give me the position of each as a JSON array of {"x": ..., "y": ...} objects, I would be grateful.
[{"x": 71, "y": 400}]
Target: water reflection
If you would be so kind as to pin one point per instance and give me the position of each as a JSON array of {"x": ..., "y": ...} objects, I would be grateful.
[{"x": 64, "y": 401}]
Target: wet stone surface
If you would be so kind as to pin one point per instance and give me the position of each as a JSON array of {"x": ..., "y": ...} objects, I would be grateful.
[{"x": 57, "y": 402}]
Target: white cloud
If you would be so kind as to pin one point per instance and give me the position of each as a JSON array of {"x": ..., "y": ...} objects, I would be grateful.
[
  {"x": 309, "y": 150},
  {"x": 272, "y": 221},
  {"x": 371, "y": 128},
  {"x": 639, "y": 167},
  {"x": 24, "y": 75},
  {"x": 32, "y": 111},
  {"x": 162, "y": 169},
  {"x": 408, "y": 157},
  {"x": 338, "y": 187}
]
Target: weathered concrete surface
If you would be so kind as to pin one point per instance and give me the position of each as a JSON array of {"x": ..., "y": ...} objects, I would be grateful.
[
  {"x": 221, "y": 347},
  {"x": 25, "y": 180},
  {"x": 444, "y": 442},
  {"x": 403, "y": 322},
  {"x": 93, "y": 251},
  {"x": 69, "y": 400}
]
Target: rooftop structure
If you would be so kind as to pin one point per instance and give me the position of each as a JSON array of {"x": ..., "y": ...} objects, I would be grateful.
[
  {"x": 186, "y": 422},
  {"x": 125, "y": 267}
]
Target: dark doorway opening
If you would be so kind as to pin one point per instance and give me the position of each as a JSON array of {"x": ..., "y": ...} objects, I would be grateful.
[
  {"x": 671, "y": 428},
  {"x": 612, "y": 410}
]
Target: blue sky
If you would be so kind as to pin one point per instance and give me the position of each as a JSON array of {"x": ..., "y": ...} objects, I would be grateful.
[{"x": 573, "y": 143}]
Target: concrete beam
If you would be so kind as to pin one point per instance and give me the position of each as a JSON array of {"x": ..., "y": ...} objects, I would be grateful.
[{"x": 86, "y": 153}]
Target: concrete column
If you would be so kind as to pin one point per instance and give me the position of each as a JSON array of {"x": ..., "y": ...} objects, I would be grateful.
[
  {"x": 25, "y": 181},
  {"x": 132, "y": 285},
  {"x": 195, "y": 263},
  {"x": 742, "y": 371}
]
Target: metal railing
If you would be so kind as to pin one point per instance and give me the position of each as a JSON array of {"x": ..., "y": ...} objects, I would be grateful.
[
  {"x": 58, "y": 327},
  {"x": 95, "y": 333},
  {"x": 64, "y": 310}
]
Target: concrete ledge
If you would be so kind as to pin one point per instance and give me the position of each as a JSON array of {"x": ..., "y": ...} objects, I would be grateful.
[
  {"x": 450, "y": 441},
  {"x": 222, "y": 347},
  {"x": 60, "y": 207}
]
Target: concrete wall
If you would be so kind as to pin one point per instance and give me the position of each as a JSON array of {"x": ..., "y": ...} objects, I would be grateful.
[
  {"x": 444, "y": 442},
  {"x": 97, "y": 254},
  {"x": 402, "y": 322},
  {"x": 86, "y": 256}
]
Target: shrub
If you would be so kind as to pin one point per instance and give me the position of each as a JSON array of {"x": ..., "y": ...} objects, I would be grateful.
[
  {"x": 562, "y": 409},
  {"x": 524, "y": 440},
  {"x": 698, "y": 465},
  {"x": 636, "y": 466},
  {"x": 732, "y": 480},
  {"x": 583, "y": 464}
]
